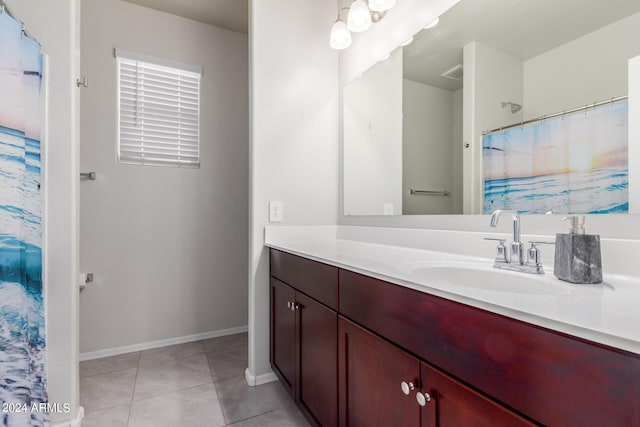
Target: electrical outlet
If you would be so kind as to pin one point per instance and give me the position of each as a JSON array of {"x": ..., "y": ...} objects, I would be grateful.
[{"x": 275, "y": 211}]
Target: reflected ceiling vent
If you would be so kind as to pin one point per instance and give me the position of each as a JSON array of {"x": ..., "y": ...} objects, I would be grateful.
[{"x": 454, "y": 73}]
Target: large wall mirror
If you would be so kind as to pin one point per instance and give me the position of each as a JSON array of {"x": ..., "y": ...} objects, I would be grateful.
[{"x": 503, "y": 104}]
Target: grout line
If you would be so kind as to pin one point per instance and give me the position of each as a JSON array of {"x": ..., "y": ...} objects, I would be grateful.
[
  {"x": 172, "y": 357},
  {"x": 256, "y": 416},
  {"x": 114, "y": 369},
  {"x": 174, "y": 391},
  {"x": 107, "y": 372},
  {"x": 103, "y": 409},
  {"x": 224, "y": 415},
  {"x": 135, "y": 384},
  {"x": 228, "y": 347}
]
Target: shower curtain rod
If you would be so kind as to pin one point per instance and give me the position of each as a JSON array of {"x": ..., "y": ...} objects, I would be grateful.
[
  {"x": 561, "y": 113},
  {"x": 5, "y": 9}
]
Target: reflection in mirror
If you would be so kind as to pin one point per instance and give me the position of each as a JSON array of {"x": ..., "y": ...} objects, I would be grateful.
[{"x": 418, "y": 126}]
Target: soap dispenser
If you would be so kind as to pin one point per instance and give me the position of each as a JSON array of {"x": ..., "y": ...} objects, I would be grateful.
[{"x": 577, "y": 257}]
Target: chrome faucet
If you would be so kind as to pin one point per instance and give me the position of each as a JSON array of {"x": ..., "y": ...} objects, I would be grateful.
[
  {"x": 516, "y": 261},
  {"x": 517, "y": 249}
]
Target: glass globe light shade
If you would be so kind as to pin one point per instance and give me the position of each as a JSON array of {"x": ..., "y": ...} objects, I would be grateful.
[
  {"x": 359, "y": 18},
  {"x": 340, "y": 36}
]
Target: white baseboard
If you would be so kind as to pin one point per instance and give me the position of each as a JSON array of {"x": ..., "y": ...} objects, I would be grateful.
[
  {"x": 253, "y": 380},
  {"x": 76, "y": 422},
  {"x": 160, "y": 343}
]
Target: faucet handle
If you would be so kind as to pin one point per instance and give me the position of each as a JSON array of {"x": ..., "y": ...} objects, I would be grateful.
[
  {"x": 501, "y": 250},
  {"x": 533, "y": 254}
]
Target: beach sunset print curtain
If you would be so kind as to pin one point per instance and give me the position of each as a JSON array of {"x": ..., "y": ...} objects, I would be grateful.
[
  {"x": 572, "y": 164},
  {"x": 22, "y": 342}
]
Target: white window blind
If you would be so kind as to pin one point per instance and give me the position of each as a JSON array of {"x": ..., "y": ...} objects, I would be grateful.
[{"x": 159, "y": 109}]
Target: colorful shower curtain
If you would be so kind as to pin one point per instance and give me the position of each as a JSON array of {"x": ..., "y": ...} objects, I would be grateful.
[
  {"x": 22, "y": 341},
  {"x": 571, "y": 164}
]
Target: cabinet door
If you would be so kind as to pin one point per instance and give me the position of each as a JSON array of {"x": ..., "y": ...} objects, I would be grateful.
[
  {"x": 317, "y": 389},
  {"x": 453, "y": 404},
  {"x": 283, "y": 333},
  {"x": 371, "y": 371}
]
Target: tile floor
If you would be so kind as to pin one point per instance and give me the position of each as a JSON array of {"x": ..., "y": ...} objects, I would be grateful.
[{"x": 195, "y": 384}]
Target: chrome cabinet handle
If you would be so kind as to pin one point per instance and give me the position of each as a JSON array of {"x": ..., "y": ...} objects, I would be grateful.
[
  {"x": 295, "y": 307},
  {"x": 289, "y": 304},
  {"x": 407, "y": 387},
  {"x": 423, "y": 398}
]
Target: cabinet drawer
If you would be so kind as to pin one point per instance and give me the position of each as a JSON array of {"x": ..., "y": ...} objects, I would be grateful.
[
  {"x": 549, "y": 376},
  {"x": 319, "y": 281}
]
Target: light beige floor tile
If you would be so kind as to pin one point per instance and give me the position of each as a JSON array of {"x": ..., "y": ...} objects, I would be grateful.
[
  {"x": 107, "y": 390},
  {"x": 172, "y": 352},
  {"x": 240, "y": 402},
  {"x": 155, "y": 379},
  {"x": 111, "y": 417},
  {"x": 277, "y": 418},
  {"x": 196, "y": 406},
  {"x": 226, "y": 342},
  {"x": 229, "y": 363},
  {"x": 109, "y": 364}
]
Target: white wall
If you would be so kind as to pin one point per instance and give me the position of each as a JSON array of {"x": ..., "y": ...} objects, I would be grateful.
[
  {"x": 294, "y": 138},
  {"x": 491, "y": 77},
  {"x": 458, "y": 167},
  {"x": 634, "y": 135},
  {"x": 589, "y": 69},
  {"x": 168, "y": 246},
  {"x": 372, "y": 126},
  {"x": 56, "y": 25},
  {"x": 427, "y": 148}
]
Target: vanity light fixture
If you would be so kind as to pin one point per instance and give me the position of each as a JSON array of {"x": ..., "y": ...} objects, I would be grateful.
[
  {"x": 432, "y": 24},
  {"x": 359, "y": 18},
  {"x": 362, "y": 14},
  {"x": 340, "y": 35}
]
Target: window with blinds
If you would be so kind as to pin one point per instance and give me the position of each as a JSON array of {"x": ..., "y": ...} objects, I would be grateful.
[{"x": 159, "y": 109}]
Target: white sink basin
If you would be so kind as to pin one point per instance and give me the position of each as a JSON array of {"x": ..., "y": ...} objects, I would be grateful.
[{"x": 473, "y": 275}]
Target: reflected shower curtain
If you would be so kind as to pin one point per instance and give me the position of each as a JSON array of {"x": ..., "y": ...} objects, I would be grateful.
[
  {"x": 573, "y": 164},
  {"x": 22, "y": 342}
]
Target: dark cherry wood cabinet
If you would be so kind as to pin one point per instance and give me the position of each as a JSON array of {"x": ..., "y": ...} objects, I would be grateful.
[
  {"x": 304, "y": 337},
  {"x": 359, "y": 338},
  {"x": 283, "y": 333},
  {"x": 553, "y": 378},
  {"x": 317, "y": 391},
  {"x": 370, "y": 374}
]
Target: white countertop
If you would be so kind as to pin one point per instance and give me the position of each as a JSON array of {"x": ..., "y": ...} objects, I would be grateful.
[{"x": 608, "y": 313}]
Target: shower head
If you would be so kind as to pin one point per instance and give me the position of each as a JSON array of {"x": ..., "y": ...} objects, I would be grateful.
[{"x": 514, "y": 107}]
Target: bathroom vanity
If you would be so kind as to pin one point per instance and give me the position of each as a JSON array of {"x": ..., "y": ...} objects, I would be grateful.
[{"x": 356, "y": 349}]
